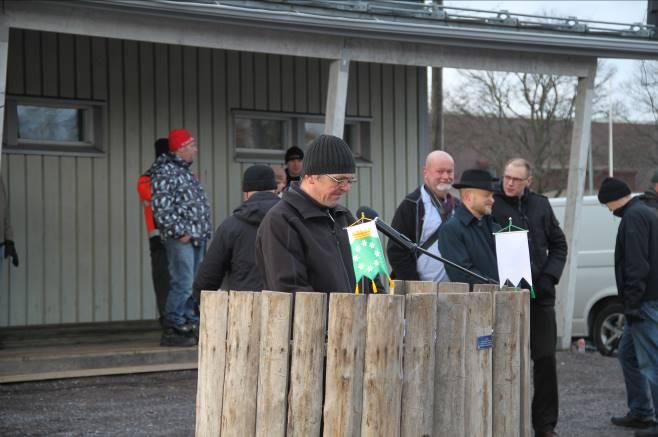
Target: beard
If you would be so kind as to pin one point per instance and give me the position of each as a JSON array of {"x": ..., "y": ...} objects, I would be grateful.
[{"x": 443, "y": 188}]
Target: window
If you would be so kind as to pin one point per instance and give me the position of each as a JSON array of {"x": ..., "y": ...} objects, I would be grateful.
[
  {"x": 53, "y": 126},
  {"x": 264, "y": 136}
]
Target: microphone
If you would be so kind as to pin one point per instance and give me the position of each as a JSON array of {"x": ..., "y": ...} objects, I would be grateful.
[{"x": 385, "y": 229}]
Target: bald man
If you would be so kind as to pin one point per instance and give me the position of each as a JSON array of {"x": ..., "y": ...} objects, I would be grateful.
[{"x": 419, "y": 217}]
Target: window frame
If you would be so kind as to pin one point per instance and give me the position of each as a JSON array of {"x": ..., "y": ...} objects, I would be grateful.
[
  {"x": 93, "y": 128},
  {"x": 295, "y": 135}
]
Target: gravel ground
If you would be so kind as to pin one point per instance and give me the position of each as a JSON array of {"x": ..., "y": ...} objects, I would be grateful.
[{"x": 162, "y": 404}]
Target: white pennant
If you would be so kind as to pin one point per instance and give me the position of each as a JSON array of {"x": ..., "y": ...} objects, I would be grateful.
[{"x": 513, "y": 257}]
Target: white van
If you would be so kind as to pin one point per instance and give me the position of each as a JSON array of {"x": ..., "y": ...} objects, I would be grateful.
[{"x": 598, "y": 312}]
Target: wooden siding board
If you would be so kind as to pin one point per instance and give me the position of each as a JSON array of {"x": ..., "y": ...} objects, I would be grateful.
[
  {"x": 274, "y": 79},
  {"x": 100, "y": 188},
  {"x": 49, "y": 65},
  {"x": 411, "y": 122},
  {"x": 17, "y": 187},
  {"x": 287, "y": 84},
  {"x": 376, "y": 152},
  {"x": 352, "y": 91},
  {"x": 260, "y": 81},
  {"x": 32, "y": 44},
  {"x": 132, "y": 170},
  {"x": 83, "y": 67},
  {"x": 148, "y": 136},
  {"x": 363, "y": 95},
  {"x": 324, "y": 82},
  {"x": 67, "y": 66},
  {"x": 247, "y": 84},
  {"x": 117, "y": 177},
  {"x": 400, "y": 145},
  {"x": 300, "y": 79},
  {"x": 16, "y": 67},
  {"x": 51, "y": 245},
  {"x": 175, "y": 66},
  {"x": 85, "y": 238},
  {"x": 233, "y": 190},
  {"x": 69, "y": 236},
  {"x": 314, "y": 88},
  {"x": 161, "y": 66},
  {"x": 205, "y": 134},
  {"x": 4, "y": 277},
  {"x": 388, "y": 156},
  {"x": 33, "y": 257},
  {"x": 221, "y": 149},
  {"x": 190, "y": 98}
]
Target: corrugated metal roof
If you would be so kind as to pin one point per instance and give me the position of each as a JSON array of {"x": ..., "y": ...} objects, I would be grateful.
[{"x": 417, "y": 22}]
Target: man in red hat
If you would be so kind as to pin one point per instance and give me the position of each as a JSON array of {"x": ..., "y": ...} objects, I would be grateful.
[{"x": 182, "y": 213}]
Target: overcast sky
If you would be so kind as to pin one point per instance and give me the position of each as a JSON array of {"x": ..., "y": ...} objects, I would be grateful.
[{"x": 618, "y": 11}]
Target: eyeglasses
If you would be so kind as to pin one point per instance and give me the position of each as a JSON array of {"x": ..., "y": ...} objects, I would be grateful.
[
  {"x": 513, "y": 179},
  {"x": 342, "y": 182}
]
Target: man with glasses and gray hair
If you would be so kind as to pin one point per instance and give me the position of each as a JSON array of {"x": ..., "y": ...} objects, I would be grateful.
[
  {"x": 301, "y": 244},
  {"x": 548, "y": 254}
]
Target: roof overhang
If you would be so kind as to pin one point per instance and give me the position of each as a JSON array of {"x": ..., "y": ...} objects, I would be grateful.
[{"x": 254, "y": 29}]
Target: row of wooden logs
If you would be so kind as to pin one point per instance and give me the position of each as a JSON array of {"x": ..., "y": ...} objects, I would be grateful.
[{"x": 276, "y": 364}]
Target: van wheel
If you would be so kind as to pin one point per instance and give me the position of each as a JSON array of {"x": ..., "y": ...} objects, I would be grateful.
[{"x": 608, "y": 328}]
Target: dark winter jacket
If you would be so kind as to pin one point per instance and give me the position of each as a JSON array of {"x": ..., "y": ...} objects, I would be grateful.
[
  {"x": 470, "y": 243},
  {"x": 408, "y": 219},
  {"x": 303, "y": 246},
  {"x": 232, "y": 251},
  {"x": 180, "y": 205},
  {"x": 546, "y": 241},
  {"x": 650, "y": 198},
  {"x": 636, "y": 255}
]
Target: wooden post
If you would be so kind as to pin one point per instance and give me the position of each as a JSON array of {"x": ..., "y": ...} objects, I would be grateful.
[
  {"x": 241, "y": 378},
  {"x": 450, "y": 374},
  {"x": 382, "y": 378},
  {"x": 345, "y": 357},
  {"x": 276, "y": 312},
  {"x": 212, "y": 354},
  {"x": 421, "y": 287},
  {"x": 524, "y": 363},
  {"x": 485, "y": 288},
  {"x": 419, "y": 365},
  {"x": 400, "y": 287},
  {"x": 453, "y": 287},
  {"x": 506, "y": 364},
  {"x": 306, "y": 375},
  {"x": 478, "y": 366}
]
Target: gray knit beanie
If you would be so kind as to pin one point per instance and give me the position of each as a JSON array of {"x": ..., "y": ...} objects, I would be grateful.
[
  {"x": 258, "y": 178},
  {"x": 328, "y": 154}
]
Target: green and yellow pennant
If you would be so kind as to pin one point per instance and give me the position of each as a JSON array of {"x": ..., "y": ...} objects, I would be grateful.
[{"x": 367, "y": 254}]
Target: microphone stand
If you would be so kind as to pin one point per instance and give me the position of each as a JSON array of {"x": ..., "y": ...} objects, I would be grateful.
[{"x": 417, "y": 248}]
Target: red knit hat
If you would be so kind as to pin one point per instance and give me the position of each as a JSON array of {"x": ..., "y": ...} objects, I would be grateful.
[{"x": 179, "y": 138}]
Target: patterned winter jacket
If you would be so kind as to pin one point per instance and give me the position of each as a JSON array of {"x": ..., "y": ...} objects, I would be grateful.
[{"x": 180, "y": 205}]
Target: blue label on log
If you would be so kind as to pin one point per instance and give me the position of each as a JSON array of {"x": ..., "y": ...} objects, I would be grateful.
[{"x": 485, "y": 342}]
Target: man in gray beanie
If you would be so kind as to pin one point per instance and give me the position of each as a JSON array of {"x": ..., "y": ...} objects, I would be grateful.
[
  {"x": 302, "y": 244},
  {"x": 636, "y": 273}
]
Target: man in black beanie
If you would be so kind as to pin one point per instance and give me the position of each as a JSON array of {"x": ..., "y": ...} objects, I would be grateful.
[
  {"x": 294, "y": 164},
  {"x": 636, "y": 274},
  {"x": 231, "y": 252},
  {"x": 302, "y": 244}
]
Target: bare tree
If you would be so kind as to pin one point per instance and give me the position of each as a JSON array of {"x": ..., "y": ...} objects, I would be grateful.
[
  {"x": 527, "y": 115},
  {"x": 643, "y": 90}
]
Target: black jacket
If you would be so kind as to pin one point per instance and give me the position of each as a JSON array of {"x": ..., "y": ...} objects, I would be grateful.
[
  {"x": 650, "y": 198},
  {"x": 546, "y": 241},
  {"x": 408, "y": 219},
  {"x": 232, "y": 251},
  {"x": 636, "y": 255},
  {"x": 470, "y": 243},
  {"x": 302, "y": 246}
]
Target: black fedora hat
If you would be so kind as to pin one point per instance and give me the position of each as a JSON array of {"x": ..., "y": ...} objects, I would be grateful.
[{"x": 476, "y": 178}]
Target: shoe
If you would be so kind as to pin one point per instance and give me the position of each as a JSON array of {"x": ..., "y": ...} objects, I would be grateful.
[
  {"x": 649, "y": 432},
  {"x": 183, "y": 329},
  {"x": 170, "y": 337},
  {"x": 629, "y": 421}
]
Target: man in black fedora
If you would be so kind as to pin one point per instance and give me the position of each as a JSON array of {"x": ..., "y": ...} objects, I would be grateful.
[{"x": 467, "y": 237}]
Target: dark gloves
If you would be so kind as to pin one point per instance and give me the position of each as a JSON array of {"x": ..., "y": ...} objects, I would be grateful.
[
  {"x": 633, "y": 315},
  {"x": 10, "y": 251}
]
